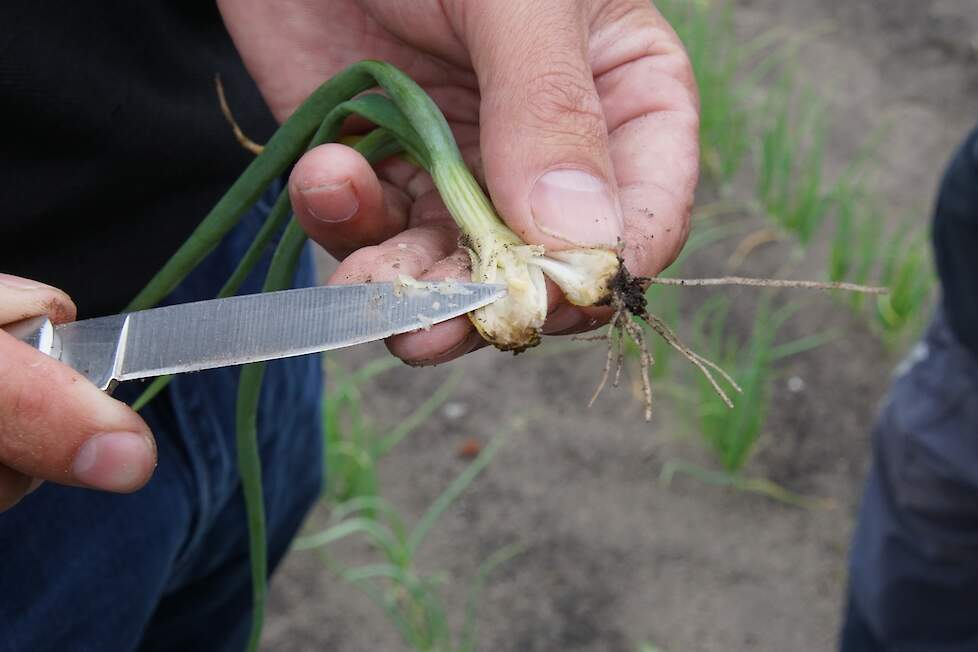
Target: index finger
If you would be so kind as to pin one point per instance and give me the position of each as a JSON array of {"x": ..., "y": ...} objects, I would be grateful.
[{"x": 21, "y": 298}]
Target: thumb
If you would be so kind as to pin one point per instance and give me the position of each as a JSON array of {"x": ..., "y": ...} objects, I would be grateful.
[
  {"x": 544, "y": 137},
  {"x": 54, "y": 424}
]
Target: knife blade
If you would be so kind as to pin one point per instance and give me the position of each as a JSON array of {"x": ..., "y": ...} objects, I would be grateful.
[{"x": 250, "y": 328}]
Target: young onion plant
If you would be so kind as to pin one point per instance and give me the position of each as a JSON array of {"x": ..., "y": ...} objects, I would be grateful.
[
  {"x": 497, "y": 254},
  {"x": 407, "y": 122}
]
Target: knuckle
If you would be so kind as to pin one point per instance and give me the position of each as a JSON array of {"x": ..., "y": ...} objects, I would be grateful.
[
  {"x": 429, "y": 209},
  {"x": 679, "y": 67},
  {"x": 684, "y": 70},
  {"x": 356, "y": 267},
  {"x": 565, "y": 106},
  {"x": 406, "y": 258}
]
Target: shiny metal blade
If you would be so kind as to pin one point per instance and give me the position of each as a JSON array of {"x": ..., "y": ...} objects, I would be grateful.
[{"x": 238, "y": 330}]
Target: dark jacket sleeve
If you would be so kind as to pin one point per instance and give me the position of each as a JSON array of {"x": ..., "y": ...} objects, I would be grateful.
[{"x": 955, "y": 236}]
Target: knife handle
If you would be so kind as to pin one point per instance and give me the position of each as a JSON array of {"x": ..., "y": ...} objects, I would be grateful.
[{"x": 38, "y": 332}]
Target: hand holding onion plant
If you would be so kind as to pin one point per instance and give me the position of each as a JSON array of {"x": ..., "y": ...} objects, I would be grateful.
[
  {"x": 587, "y": 116},
  {"x": 408, "y": 121}
]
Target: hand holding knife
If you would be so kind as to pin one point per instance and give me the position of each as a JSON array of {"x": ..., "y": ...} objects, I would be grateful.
[
  {"x": 250, "y": 328},
  {"x": 56, "y": 426}
]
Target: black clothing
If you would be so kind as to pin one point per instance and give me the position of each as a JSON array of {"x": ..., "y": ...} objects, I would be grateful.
[
  {"x": 913, "y": 566},
  {"x": 956, "y": 242},
  {"x": 114, "y": 145}
]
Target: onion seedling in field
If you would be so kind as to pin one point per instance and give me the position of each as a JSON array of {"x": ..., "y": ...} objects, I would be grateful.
[
  {"x": 790, "y": 158},
  {"x": 717, "y": 58},
  {"x": 354, "y": 446},
  {"x": 731, "y": 435},
  {"x": 408, "y": 121},
  {"x": 411, "y": 599},
  {"x": 907, "y": 270}
]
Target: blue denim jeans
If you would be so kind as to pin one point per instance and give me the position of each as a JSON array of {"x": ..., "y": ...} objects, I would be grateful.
[
  {"x": 166, "y": 568},
  {"x": 913, "y": 584}
]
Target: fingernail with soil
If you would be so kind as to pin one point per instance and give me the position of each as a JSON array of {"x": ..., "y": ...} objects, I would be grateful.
[
  {"x": 331, "y": 202},
  {"x": 115, "y": 461},
  {"x": 577, "y": 208}
]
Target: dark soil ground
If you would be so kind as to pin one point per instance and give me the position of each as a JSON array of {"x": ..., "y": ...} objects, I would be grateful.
[{"x": 611, "y": 558}]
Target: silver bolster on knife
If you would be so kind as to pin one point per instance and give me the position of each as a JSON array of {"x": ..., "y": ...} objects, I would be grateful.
[
  {"x": 93, "y": 347},
  {"x": 38, "y": 332}
]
